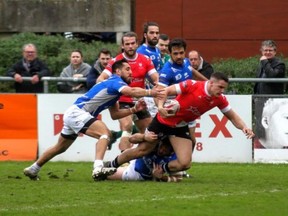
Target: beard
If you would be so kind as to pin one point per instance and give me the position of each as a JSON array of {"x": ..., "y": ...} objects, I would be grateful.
[
  {"x": 152, "y": 42},
  {"x": 126, "y": 79}
]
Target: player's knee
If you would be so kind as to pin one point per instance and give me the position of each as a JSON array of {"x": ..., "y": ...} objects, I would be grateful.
[{"x": 184, "y": 165}]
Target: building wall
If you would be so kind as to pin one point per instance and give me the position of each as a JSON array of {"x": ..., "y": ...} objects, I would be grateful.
[
  {"x": 219, "y": 29},
  {"x": 65, "y": 16}
]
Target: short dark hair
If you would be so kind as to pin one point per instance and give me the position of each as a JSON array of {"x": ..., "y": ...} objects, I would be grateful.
[
  {"x": 164, "y": 37},
  {"x": 79, "y": 51},
  {"x": 104, "y": 51},
  {"x": 118, "y": 64},
  {"x": 177, "y": 42},
  {"x": 220, "y": 76}
]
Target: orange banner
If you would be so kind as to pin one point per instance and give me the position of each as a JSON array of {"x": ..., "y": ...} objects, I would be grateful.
[{"x": 18, "y": 127}]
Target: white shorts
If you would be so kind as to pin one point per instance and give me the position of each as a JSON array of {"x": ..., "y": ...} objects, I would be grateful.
[
  {"x": 130, "y": 174},
  {"x": 74, "y": 120},
  {"x": 151, "y": 106}
]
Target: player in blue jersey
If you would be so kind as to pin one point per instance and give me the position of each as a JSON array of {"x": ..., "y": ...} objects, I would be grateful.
[
  {"x": 149, "y": 42},
  {"x": 149, "y": 167},
  {"x": 179, "y": 69},
  {"x": 149, "y": 48},
  {"x": 81, "y": 117}
]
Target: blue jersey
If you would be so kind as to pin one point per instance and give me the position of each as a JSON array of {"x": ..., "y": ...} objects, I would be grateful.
[
  {"x": 144, "y": 165},
  {"x": 173, "y": 73},
  {"x": 153, "y": 53},
  {"x": 102, "y": 95}
]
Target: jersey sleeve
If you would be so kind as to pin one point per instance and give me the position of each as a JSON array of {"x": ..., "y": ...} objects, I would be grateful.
[
  {"x": 224, "y": 105},
  {"x": 165, "y": 78}
]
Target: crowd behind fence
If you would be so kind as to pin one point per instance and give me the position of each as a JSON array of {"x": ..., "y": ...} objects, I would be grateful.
[{"x": 46, "y": 80}]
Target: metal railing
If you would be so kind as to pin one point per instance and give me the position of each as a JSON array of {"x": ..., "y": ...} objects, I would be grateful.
[{"x": 46, "y": 80}]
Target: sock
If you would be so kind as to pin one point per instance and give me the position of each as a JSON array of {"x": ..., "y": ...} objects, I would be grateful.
[
  {"x": 35, "y": 167},
  {"x": 165, "y": 168},
  {"x": 119, "y": 134},
  {"x": 98, "y": 163},
  {"x": 135, "y": 129},
  {"x": 114, "y": 163}
]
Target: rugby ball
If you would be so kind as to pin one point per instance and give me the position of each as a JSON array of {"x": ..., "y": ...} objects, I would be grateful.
[{"x": 172, "y": 106}]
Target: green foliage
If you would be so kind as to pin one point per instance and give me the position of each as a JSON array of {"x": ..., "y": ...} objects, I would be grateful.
[
  {"x": 53, "y": 50},
  {"x": 238, "y": 68},
  {"x": 67, "y": 188}
]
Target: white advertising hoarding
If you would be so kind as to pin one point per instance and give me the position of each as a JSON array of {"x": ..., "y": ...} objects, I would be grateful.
[
  {"x": 51, "y": 108},
  {"x": 217, "y": 139}
]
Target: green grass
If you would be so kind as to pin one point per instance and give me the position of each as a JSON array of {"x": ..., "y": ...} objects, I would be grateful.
[{"x": 215, "y": 189}]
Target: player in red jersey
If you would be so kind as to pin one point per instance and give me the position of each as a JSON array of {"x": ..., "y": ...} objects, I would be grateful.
[
  {"x": 141, "y": 67},
  {"x": 195, "y": 98}
]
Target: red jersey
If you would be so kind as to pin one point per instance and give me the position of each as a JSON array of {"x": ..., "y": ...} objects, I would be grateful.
[
  {"x": 194, "y": 101},
  {"x": 141, "y": 66}
]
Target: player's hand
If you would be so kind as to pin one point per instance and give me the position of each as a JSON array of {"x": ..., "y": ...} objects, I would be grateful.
[
  {"x": 150, "y": 136},
  {"x": 157, "y": 171},
  {"x": 140, "y": 105},
  {"x": 248, "y": 132},
  {"x": 166, "y": 112}
]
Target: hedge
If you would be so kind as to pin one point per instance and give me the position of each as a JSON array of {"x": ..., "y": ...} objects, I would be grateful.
[{"x": 55, "y": 52}]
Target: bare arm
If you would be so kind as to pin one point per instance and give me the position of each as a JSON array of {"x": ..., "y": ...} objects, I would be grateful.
[
  {"x": 239, "y": 123},
  {"x": 140, "y": 92},
  {"x": 117, "y": 113},
  {"x": 102, "y": 76}
]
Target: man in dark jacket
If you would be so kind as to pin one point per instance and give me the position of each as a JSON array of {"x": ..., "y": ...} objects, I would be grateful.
[
  {"x": 29, "y": 66},
  {"x": 270, "y": 67},
  {"x": 104, "y": 57}
]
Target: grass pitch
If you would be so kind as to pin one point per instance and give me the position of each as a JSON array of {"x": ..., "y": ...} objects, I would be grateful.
[{"x": 214, "y": 189}]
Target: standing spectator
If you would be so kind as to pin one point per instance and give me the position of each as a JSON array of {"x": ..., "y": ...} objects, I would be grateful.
[
  {"x": 142, "y": 67},
  {"x": 104, "y": 57},
  {"x": 29, "y": 66},
  {"x": 76, "y": 69},
  {"x": 270, "y": 67},
  {"x": 199, "y": 64},
  {"x": 163, "y": 47}
]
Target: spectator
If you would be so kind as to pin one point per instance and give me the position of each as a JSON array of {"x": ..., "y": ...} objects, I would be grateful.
[
  {"x": 104, "y": 57},
  {"x": 163, "y": 47},
  {"x": 76, "y": 69},
  {"x": 270, "y": 67},
  {"x": 29, "y": 66},
  {"x": 199, "y": 64}
]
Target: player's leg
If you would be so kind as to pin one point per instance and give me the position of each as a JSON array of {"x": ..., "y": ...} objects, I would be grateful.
[
  {"x": 64, "y": 142},
  {"x": 141, "y": 150},
  {"x": 98, "y": 130},
  {"x": 183, "y": 151},
  {"x": 126, "y": 125},
  {"x": 192, "y": 128}
]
